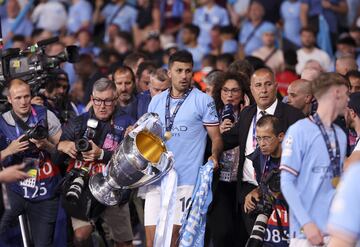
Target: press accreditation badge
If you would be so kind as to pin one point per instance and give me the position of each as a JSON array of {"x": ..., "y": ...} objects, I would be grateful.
[
  {"x": 225, "y": 172},
  {"x": 31, "y": 168}
]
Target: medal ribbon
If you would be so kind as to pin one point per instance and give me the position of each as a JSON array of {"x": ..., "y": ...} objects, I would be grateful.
[
  {"x": 169, "y": 119},
  {"x": 334, "y": 160}
]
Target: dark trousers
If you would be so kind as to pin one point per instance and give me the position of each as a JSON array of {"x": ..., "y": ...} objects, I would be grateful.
[
  {"x": 248, "y": 219},
  {"x": 224, "y": 220},
  {"x": 42, "y": 217}
]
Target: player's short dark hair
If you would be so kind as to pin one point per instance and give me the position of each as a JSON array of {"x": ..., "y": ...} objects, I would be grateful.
[{"x": 181, "y": 56}]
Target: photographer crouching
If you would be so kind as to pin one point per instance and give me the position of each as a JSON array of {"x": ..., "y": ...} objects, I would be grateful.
[
  {"x": 266, "y": 202},
  {"x": 89, "y": 141},
  {"x": 28, "y": 135}
]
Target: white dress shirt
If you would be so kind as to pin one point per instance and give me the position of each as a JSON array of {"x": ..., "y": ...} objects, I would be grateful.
[{"x": 248, "y": 170}]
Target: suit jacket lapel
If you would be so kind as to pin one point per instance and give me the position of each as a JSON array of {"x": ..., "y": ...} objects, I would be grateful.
[
  {"x": 246, "y": 127},
  {"x": 279, "y": 110}
]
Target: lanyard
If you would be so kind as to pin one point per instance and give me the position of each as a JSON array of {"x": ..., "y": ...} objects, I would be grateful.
[
  {"x": 254, "y": 131},
  {"x": 254, "y": 128},
  {"x": 169, "y": 119},
  {"x": 334, "y": 160},
  {"x": 268, "y": 167}
]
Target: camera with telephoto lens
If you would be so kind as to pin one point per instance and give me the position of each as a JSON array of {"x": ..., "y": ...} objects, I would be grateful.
[
  {"x": 77, "y": 185},
  {"x": 228, "y": 113},
  {"x": 83, "y": 144},
  {"x": 37, "y": 132},
  {"x": 264, "y": 208}
]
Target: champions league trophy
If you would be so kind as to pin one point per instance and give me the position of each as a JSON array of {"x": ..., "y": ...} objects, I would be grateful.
[{"x": 140, "y": 159}]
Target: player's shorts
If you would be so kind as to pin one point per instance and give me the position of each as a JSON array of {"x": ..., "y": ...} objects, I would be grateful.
[{"x": 152, "y": 204}]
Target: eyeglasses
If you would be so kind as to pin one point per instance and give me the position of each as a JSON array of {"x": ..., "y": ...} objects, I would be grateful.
[
  {"x": 265, "y": 139},
  {"x": 107, "y": 102},
  {"x": 232, "y": 91}
]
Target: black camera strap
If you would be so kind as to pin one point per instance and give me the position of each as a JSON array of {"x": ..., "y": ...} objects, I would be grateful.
[{"x": 19, "y": 121}]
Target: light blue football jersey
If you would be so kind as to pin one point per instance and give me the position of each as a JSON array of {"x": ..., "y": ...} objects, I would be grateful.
[{"x": 188, "y": 131}]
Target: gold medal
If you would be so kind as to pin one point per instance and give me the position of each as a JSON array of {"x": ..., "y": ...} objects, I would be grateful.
[
  {"x": 168, "y": 135},
  {"x": 335, "y": 181}
]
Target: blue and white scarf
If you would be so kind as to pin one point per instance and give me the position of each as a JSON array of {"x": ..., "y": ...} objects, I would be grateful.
[{"x": 192, "y": 231}]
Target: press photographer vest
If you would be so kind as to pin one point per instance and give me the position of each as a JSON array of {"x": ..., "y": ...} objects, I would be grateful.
[
  {"x": 108, "y": 136},
  {"x": 47, "y": 176}
]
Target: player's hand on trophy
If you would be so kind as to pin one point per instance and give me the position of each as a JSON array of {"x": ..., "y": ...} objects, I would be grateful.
[
  {"x": 93, "y": 154},
  {"x": 251, "y": 200},
  {"x": 67, "y": 147},
  {"x": 128, "y": 130}
]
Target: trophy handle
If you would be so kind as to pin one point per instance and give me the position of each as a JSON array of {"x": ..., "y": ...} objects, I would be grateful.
[
  {"x": 156, "y": 171},
  {"x": 149, "y": 121}
]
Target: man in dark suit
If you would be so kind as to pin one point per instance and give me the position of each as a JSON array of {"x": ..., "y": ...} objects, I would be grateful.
[{"x": 243, "y": 134}]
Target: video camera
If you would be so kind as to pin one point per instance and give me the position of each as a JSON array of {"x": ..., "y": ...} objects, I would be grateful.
[
  {"x": 33, "y": 65},
  {"x": 264, "y": 208}
]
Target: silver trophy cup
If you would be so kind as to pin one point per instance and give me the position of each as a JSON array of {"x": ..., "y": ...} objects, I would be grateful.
[{"x": 140, "y": 159}]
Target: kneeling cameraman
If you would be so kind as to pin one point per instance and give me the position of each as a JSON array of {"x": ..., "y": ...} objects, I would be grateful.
[
  {"x": 266, "y": 202},
  {"x": 89, "y": 141},
  {"x": 28, "y": 134}
]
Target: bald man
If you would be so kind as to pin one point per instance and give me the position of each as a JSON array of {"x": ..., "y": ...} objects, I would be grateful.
[
  {"x": 310, "y": 74},
  {"x": 345, "y": 64},
  {"x": 300, "y": 96}
]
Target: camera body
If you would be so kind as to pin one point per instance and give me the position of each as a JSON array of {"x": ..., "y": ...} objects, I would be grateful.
[
  {"x": 228, "y": 113},
  {"x": 83, "y": 144},
  {"x": 37, "y": 132}
]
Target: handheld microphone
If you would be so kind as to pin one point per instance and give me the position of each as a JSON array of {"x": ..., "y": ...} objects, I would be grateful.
[{"x": 228, "y": 113}]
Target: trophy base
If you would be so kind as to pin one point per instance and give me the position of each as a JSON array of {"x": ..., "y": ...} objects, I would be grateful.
[{"x": 103, "y": 191}]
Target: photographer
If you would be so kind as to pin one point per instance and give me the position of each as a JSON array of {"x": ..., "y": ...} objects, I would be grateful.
[
  {"x": 266, "y": 199},
  {"x": 55, "y": 96},
  {"x": 101, "y": 129},
  {"x": 28, "y": 134}
]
